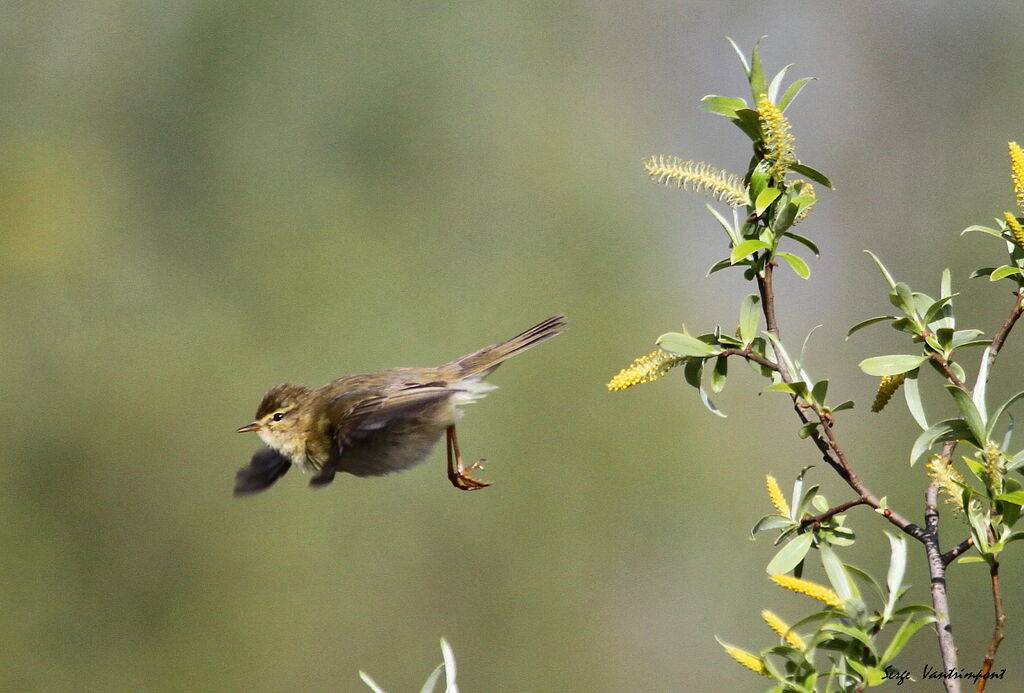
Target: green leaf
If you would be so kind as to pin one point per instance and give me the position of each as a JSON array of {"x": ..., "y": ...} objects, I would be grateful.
[
  {"x": 756, "y": 76},
  {"x": 431, "y": 682},
  {"x": 870, "y": 321},
  {"x": 842, "y": 406},
  {"x": 855, "y": 633},
  {"x": 892, "y": 364},
  {"x": 1004, "y": 271},
  {"x": 816, "y": 176},
  {"x": 935, "y": 307},
  {"x": 770, "y": 522},
  {"x": 729, "y": 230},
  {"x": 746, "y": 248},
  {"x": 719, "y": 374},
  {"x": 784, "y": 218},
  {"x": 807, "y": 429},
  {"x": 947, "y": 430},
  {"x": 708, "y": 404},
  {"x": 449, "y": 665},
  {"x": 970, "y": 413},
  {"x": 885, "y": 273},
  {"x": 722, "y": 264},
  {"x": 1015, "y": 497},
  {"x": 912, "y": 394},
  {"x": 999, "y": 412},
  {"x": 897, "y": 569},
  {"x": 902, "y": 637},
  {"x": 722, "y": 105},
  {"x": 805, "y": 241},
  {"x": 797, "y": 263},
  {"x": 776, "y": 84},
  {"x": 746, "y": 120},
  {"x": 750, "y": 317},
  {"x": 758, "y": 180},
  {"x": 792, "y": 91},
  {"x": 844, "y": 586},
  {"x": 819, "y": 391},
  {"x": 984, "y": 229},
  {"x": 903, "y": 298},
  {"x": 743, "y": 58},
  {"x": 790, "y": 554},
  {"x": 765, "y": 198},
  {"x": 686, "y": 345},
  {"x": 371, "y": 684},
  {"x": 693, "y": 372}
]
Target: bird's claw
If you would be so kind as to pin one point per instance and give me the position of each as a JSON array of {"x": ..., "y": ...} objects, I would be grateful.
[{"x": 462, "y": 480}]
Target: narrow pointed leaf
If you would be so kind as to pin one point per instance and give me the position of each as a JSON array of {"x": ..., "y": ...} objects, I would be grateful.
[
  {"x": 912, "y": 393},
  {"x": 947, "y": 430},
  {"x": 370, "y": 682},
  {"x": 765, "y": 198},
  {"x": 893, "y": 364},
  {"x": 431, "y": 682},
  {"x": 870, "y": 321},
  {"x": 1003, "y": 272},
  {"x": 816, "y": 176},
  {"x": 790, "y": 555},
  {"x": 729, "y": 228},
  {"x": 685, "y": 345},
  {"x": 984, "y": 229},
  {"x": 999, "y": 412},
  {"x": 845, "y": 587},
  {"x": 885, "y": 272},
  {"x": 902, "y": 637},
  {"x": 791, "y": 92},
  {"x": 746, "y": 248},
  {"x": 750, "y": 318},
  {"x": 743, "y": 58},
  {"x": 776, "y": 84},
  {"x": 805, "y": 241},
  {"x": 722, "y": 105},
  {"x": 970, "y": 413},
  {"x": 796, "y": 263}
]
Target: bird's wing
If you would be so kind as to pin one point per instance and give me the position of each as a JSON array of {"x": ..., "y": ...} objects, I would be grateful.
[
  {"x": 375, "y": 411},
  {"x": 266, "y": 467}
]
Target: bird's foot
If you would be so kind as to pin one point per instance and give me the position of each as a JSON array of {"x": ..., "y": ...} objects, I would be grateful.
[{"x": 461, "y": 477}]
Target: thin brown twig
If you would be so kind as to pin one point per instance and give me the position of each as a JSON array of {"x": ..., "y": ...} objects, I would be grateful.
[
  {"x": 750, "y": 356},
  {"x": 1004, "y": 330},
  {"x": 997, "y": 630},
  {"x": 944, "y": 366},
  {"x": 831, "y": 512}
]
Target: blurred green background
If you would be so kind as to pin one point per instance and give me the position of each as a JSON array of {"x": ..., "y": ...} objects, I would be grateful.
[{"x": 201, "y": 199}]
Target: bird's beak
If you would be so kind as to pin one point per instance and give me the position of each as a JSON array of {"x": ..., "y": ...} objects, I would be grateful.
[{"x": 249, "y": 428}]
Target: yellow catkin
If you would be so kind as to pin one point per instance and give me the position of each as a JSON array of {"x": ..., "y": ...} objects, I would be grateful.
[
  {"x": 645, "y": 369},
  {"x": 781, "y": 629},
  {"x": 948, "y": 480},
  {"x": 778, "y": 141},
  {"x": 811, "y": 589},
  {"x": 887, "y": 386},
  {"x": 775, "y": 495},
  {"x": 750, "y": 661},
  {"x": 1014, "y": 227},
  {"x": 1017, "y": 173},
  {"x": 805, "y": 189},
  {"x": 698, "y": 177}
]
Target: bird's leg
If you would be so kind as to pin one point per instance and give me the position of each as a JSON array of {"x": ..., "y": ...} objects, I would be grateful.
[{"x": 457, "y": 474}]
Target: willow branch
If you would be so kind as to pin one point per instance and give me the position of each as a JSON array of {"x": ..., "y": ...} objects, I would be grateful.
[
  {"x": 822, "y": 436},
  {"x": 937, "y": 575},
  {"x": 818, "y": 519},
  {"x": 997, "y": 630}
]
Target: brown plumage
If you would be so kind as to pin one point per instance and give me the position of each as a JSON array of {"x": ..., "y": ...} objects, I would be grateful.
[{"x": 376, "y": 423}]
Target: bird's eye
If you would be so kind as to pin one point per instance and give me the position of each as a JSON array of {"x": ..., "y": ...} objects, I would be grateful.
[{"x": 278, "y": 416}]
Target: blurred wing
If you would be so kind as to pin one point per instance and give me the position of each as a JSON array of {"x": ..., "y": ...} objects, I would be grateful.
[
  {"x": 377, "y": 411},
  {"x": 266, "y": 467}
]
